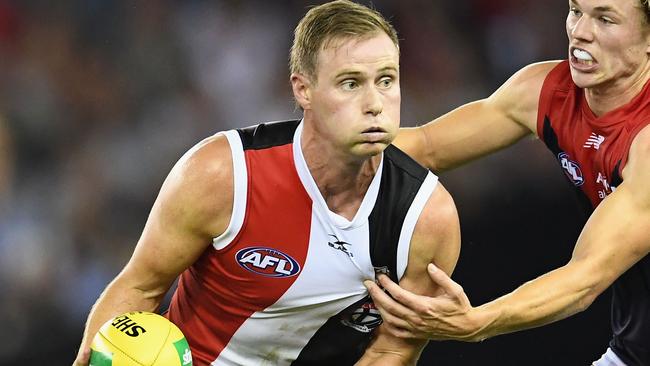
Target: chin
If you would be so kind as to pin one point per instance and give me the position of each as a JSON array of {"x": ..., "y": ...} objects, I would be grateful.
[
  {"x": 583, "y": 80},
  {"x": 370, "y": 150}
]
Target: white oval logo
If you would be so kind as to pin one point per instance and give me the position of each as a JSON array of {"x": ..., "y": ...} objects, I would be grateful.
[{"x": 267, "y": 262}]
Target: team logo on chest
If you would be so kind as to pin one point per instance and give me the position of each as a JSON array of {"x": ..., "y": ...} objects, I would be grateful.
[
  {"x": 267, "y": 262},
  {"x": 364, "y": 319},
  {"x": 571, "y": 169}
]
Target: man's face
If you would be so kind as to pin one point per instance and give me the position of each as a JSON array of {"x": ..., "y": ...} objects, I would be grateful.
[
  {"x": 355, "y": 99},
  {"x": 608, "y": 41}
]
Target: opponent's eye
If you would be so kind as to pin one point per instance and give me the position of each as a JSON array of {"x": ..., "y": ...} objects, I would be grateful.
[{"x": 575, "y": 11}]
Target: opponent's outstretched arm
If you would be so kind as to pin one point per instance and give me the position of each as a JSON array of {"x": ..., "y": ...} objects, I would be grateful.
[
  {"x": 615, "y": 237},
  {"x": 185, "y": 217},
  {"x": 479, "y": 128},
  {"x": 436, "y": 239}
]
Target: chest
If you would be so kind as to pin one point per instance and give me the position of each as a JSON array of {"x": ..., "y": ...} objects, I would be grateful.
[{"x": 590, "y": 156}]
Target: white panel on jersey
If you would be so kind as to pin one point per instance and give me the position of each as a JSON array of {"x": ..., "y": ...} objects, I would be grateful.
[
  {"x": 367, "y": 204},
  {"x": 328, "y": 283},
  {"x": 404, "y": 244},
  {"x": 240, "y": 188}
]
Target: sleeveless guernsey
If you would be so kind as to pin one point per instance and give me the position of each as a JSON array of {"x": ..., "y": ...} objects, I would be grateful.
[
  {"x": 283, "y": 285},
  {"x": 592, "y": 152}
]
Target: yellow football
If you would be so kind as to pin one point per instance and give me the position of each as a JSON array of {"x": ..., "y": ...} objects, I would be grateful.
[{"x": 139, "y": 339}]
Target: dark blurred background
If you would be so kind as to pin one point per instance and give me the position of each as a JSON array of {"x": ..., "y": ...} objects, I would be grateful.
[{"x": 99, "y": 98}]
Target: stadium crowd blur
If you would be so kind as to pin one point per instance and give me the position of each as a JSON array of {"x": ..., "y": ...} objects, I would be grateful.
[{"x": 99, "y": 98}]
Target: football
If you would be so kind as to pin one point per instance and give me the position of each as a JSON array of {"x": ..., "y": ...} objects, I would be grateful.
[{"x": 139, "y": 339}]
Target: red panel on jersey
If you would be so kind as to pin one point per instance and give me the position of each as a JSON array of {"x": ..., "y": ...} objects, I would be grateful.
[
  {"x": 589, "y": 148},
  {"x": 223, "y": 288}
]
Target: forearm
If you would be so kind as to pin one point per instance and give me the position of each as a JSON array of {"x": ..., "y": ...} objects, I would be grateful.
[
  {"x": 118, "y": 297},
  {"x": 548, "y": 298}
]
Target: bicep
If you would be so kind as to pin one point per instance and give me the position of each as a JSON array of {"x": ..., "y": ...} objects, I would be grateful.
[
  {"x": 481, "y": 127},
  {"x": 193, "y": 206},
  {"x": 436, "y": 239}
]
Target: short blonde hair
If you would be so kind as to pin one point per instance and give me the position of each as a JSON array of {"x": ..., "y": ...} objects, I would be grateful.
[{"x": 330, "y": 21}]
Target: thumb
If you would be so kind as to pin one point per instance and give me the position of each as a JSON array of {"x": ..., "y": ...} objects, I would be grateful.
[{"x": 443, "y": 280}]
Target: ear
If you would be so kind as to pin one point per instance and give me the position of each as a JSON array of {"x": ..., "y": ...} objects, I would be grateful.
[{"x": 301, "y": 86}]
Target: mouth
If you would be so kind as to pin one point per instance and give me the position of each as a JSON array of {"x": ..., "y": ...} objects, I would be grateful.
[
  {"x": 373, "y": 130},
  {"x": 374, "y": 134},
  {"x": 582, "y": 59}
]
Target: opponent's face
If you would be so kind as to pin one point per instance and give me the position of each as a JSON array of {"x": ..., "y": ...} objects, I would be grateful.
[
  {"x": 608, "y": 41},
  {"x": 355, "y": 101}
]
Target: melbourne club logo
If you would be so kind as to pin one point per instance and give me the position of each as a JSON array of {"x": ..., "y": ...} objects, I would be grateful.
[
  {"x": 267, "y": 262},
  {"x": 594, "y": 141},
  {"x": 364, "y": 319},
  {"x": 571, "y": 169},
  {"x": 340, "y": 245}
]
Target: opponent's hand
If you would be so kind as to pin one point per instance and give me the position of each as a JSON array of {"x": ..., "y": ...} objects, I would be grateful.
[
  {"x": 407, "y": 315},
  {"x": 83, "y": 357}
]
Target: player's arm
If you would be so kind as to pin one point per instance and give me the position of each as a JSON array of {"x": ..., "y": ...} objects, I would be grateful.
[
  {"x": 615, "y": 237},
  {"x": 481, "y": 127},
  {"x": 193, "y": 206},
  {"x": 436, "y": 238}
]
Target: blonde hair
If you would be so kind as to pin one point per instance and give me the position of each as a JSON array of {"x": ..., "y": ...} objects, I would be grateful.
[{"x": 331, "y": 21}]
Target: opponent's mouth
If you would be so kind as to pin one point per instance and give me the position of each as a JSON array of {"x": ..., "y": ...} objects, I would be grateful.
[{"x": 582, "y": 56}]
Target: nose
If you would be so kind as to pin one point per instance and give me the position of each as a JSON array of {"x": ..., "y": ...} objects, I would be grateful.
[
  {"x": 582, "y": 29},
  {"x": 373, "y": 103}
]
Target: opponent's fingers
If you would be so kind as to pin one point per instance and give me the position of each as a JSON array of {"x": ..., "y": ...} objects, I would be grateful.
[
  {"x": 446, "y": 283},
  {"x": 385, "y": 303},
  {"x": 406, "y": 298},
  {"x": 393, "y": 320}
]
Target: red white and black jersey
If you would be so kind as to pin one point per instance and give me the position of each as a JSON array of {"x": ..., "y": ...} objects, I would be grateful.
[
  {"x": 283, "y": 285},
  {"x": 592, "y": 152}
]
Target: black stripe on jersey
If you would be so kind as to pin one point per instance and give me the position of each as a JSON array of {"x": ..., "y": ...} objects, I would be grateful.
[
  {"x": 268, "y": 134},
  {"x": 550, "y": 139},
  {"x": 400, "y": 182},
  {"x": 337, "y": 342},
  {"x": 616, "y": 176}
]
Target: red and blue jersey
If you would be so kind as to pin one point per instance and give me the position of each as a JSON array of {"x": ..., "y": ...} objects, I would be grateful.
[{"x": 592, "y": 151}]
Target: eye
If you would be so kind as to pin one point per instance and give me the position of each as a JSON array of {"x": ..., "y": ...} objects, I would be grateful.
[
  {"x": 349, "y": 85},
  {"x": 575, "y": 11},
  {"x": 606, "y": 20},
  {"x": 385, "y": 82}
]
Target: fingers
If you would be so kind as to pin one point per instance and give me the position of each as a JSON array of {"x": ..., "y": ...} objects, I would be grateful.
[
  {"x": 404, "y": 297},
  {"x": 445, "y": 282},
  {"x": 383, "y": 301}
]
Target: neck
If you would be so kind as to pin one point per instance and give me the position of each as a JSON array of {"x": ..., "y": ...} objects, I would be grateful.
[
  {"x": 341, "y": 179},
  {"x": 606, "y": 98}
]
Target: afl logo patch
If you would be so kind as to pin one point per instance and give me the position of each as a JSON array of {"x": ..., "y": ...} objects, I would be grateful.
[
  {"x": 267, "y": 262},
  {"x": 571, "y": 169}
]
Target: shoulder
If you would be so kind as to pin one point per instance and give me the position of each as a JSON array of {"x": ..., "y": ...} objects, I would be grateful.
[
  {"x": 519, "y": 95},
  {"x": 531, "y": 76},
  {"x": 199, "y": 187},
  {"x": 439, "y": 216}
]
